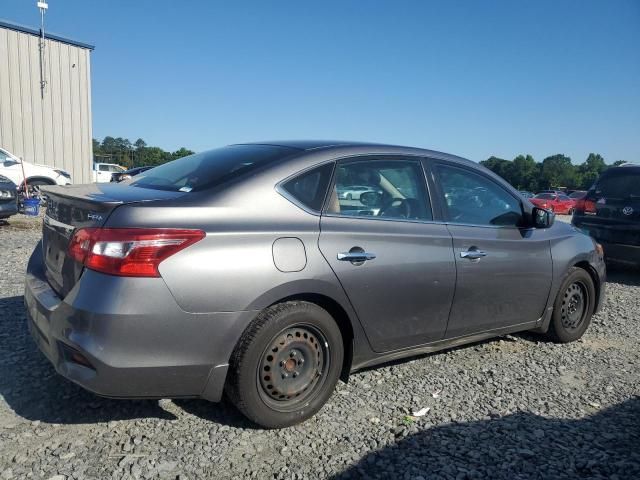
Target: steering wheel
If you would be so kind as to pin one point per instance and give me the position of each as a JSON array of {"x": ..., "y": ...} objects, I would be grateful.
[{"x": 397, "y": 207}]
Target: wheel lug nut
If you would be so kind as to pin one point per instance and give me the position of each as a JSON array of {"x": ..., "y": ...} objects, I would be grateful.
[
  {"x": 285, "y": 375},
  {"x": 295, "y": 374},
  {"x": 282, "y": 363},
  {"x": 292, "y": 354}
]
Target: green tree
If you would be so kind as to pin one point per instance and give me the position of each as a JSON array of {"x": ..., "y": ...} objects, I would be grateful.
[
  {"x": 499, "y": 166},
  {"x": 558, "y": 171},
  {"x": 617, "y": 163},
  {"x": 525, "y": 173},
  {"x": 590, "y": 170}
]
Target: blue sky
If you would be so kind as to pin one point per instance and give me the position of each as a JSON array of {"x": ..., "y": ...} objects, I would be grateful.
[{"x": 466, "y": 77}]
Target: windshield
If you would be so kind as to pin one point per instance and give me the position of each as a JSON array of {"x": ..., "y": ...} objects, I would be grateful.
[
  {"x": 210, "y": 168},
  {"x": 619, "y": 184}
]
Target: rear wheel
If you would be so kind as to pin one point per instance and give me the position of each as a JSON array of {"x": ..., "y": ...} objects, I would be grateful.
[
  {"x": 286, "y": 365},
  {"x": 573, "y": 307}
]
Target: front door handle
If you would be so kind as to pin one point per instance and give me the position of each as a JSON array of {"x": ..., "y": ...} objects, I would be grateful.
[
  {"x": 356, "y": 256},
  {"x": 473, "y": 254}
]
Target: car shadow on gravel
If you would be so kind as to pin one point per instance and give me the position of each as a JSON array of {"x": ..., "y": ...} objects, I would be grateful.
[
  {"x": 522, "y": 445},
  {"x": 222, "y": 413},
  {"x": 33, "y": 390}
]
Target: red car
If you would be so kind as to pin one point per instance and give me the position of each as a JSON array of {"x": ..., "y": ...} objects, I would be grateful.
[{"x": 557, "y": 203}]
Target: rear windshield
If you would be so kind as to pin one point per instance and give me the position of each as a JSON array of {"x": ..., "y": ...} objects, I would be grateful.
[
  {"x": 545, "y": 196},
  {"x": 210, "y": 168},
  {"x": 621, "y": 184}
]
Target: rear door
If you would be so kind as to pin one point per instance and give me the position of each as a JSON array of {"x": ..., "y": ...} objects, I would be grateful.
[
  {"x": 504, "y": 272},
  {"x": 396, "y": 265}
]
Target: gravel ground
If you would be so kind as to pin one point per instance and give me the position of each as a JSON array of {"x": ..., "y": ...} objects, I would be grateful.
[{"x": 515, "y": 407}]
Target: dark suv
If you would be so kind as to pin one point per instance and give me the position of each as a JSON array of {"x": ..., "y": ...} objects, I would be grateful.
[{"x": 610, "y": 213}]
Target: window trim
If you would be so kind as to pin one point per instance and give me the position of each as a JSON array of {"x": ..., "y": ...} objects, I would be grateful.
[
  {"x": 417, "y": 159},
  {"x": 442, "y": 202}
]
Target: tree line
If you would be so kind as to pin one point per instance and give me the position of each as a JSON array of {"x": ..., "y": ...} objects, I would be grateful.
[
  {"x": 554, "y": 172},
  {"x": 137, "y": 154}
]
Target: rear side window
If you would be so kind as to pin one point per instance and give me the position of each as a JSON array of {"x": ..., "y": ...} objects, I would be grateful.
[
  {"x": 310, "y": 188},
  {"x": 622, "y": 183},
  {"x": 211, "y": 168}
]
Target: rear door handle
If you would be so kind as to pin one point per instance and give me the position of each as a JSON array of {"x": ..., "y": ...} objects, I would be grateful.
[
  {"x": 356, "y": 256},
  {"x": 473, "y": 254}
]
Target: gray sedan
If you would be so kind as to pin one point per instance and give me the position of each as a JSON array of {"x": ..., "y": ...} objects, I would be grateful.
[{"x": 241, "y": 271}]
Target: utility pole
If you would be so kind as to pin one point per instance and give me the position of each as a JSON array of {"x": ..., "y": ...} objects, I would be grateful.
[{"x": 43, "y": 6}]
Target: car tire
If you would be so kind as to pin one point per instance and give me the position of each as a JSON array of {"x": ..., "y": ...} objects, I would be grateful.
[
  {"x": 573, "y": 307},
  {"x": 286, "y": 364}
]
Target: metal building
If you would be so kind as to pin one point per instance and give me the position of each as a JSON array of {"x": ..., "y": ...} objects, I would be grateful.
[{"x": 45, "y": 100}]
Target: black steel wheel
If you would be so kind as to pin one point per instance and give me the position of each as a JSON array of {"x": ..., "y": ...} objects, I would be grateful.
[
  {"x": 573, "y": 307},
  {"x": 292, "y": 367},
  {"x": 286, "y": 364}
]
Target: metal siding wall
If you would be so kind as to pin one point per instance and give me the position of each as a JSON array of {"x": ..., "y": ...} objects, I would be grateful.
[{"x": 54, "y": 130}]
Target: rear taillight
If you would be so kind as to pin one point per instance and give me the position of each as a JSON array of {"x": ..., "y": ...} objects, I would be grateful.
[
  {"x": 129, "y": 252},
  {"x": 586, "y": 206}
]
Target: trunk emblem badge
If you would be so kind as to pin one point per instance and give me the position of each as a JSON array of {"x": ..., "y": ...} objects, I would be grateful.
[
  {"x": 94, "y": 216},
  {"x": 627, "y": 210}
]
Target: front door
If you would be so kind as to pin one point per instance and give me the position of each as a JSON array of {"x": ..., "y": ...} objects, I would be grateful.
[
  {"x": 395, "y": 265},
  {"x": 504, "y": 270}
]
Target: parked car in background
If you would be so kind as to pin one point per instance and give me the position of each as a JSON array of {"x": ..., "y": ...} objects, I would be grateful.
[
  {"x": 577, "y": 194},
  {"x": 610, "y": 213},
  {"x": 16, "y": 170},
  {"x": 241, "y": 270},
  {"x": 353, "y": 192},
  {"x": 8, "y": 198},
  {"x": 127, "y": 174},
  {"x": 556, "y": 192},
  {"x": 526, "y": 194},
  {"x": 560, "y": 204},
  {"x": 102, "y": 171}
]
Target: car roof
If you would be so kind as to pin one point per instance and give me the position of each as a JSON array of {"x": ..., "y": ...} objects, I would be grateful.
[{"x": 362, "y": 147}]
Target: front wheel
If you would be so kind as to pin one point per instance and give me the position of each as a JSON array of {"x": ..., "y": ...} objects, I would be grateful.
[
  {"x": 286, "y": 364},
  {"x": 573, "y": 307}
]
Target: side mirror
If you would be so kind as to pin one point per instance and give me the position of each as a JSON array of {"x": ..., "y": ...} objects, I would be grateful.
[
  {"x": 371, "y": 199},
  {"x": 542, "y": 218}
]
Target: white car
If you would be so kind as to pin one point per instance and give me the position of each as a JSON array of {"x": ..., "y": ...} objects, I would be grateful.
[
  {"x": 353, "y": 192},
  {"x": 13, "y": 167},
  {"x": 102, "y": 171}
]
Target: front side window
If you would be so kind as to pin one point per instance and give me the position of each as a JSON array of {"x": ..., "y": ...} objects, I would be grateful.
[
  {"x": 390, "y": 189},
  {"x": 103, "y": 168},
  {"x": 471, "y": 198}
]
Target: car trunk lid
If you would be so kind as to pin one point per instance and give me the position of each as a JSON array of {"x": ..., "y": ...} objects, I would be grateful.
[{"x": 80, "y": 206}]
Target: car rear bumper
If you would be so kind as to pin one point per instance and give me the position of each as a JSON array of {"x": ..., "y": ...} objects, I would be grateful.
[
  {"x": 127, "y": 338},
  {"x": 621, "y": 243},
  {"x": 628, "y": 254}
]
